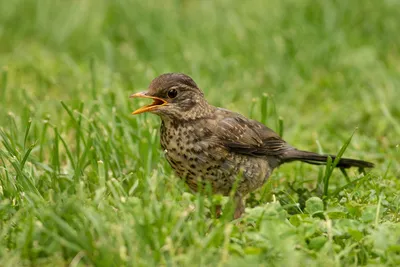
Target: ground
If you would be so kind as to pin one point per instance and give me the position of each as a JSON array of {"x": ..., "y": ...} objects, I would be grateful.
[{"x": 84, "y": 183}]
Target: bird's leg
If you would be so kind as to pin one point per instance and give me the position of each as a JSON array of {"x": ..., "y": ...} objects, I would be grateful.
[
  {"x": 239, "y": 207},
  {"x": 218, "y": 211}
]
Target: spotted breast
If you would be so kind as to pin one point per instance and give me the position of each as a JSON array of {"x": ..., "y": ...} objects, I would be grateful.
[{"x": 198, "y": 160}]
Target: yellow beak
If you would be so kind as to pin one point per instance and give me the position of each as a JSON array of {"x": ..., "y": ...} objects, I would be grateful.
[{"x": 157, "y": 102}]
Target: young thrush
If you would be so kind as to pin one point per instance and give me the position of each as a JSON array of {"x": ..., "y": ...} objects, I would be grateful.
[{"x": 207, "y": 144}]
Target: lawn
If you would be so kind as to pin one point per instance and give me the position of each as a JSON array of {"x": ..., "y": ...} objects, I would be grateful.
[{"x": 85, "y": 183}]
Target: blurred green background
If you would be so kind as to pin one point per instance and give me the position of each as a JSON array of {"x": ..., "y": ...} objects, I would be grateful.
[
  {"x": 333, "y": 58},
  {"x": 324, "y": 68}
]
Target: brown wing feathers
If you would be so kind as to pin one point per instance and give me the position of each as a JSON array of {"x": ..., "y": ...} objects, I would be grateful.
[{"x": 243, "y": 136}]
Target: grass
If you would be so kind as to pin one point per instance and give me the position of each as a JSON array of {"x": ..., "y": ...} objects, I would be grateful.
[{"x": 84, "y": 183}]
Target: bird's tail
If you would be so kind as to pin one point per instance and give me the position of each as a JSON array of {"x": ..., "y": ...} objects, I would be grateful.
[{"x": 318, "y": 159}]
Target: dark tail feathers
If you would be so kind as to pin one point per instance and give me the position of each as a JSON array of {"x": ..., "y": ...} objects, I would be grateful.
[{"x": 317, "y": 159}]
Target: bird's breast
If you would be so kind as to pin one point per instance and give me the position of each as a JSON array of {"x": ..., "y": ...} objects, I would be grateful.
[
  {"x": 190, "y": 152},
  {"x": 195, "y": 158},
  {"x": 178, "y": 144}
]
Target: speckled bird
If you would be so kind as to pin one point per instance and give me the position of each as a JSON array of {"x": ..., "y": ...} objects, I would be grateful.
[{"x": 206, "y": 144}]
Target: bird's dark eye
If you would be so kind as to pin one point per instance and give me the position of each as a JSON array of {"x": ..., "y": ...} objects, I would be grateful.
[{"x": 172, "y": 93}]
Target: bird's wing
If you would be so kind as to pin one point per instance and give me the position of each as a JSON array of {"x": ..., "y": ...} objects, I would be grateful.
[{"x": 244, "y": 136}]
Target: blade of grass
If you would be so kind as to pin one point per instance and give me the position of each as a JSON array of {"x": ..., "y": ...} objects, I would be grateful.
[
  {"x": 69, "y": 154},
  {"x": 71, "y": 115},
  {"x": 56, "y": 152},
  {"x": 27, "y": 132},
  {"x": 42, "y": 139},
  {"x": 264, "y": 108},
  {"x": 280, "y": 127},
  {"x": 27, "y": 153},
  {"x": 79, "y": 132},
  {"x": 93, "y": 77},
  {"x": 3, "y": 86},
  {"x": 7, "y": 144},
  {"x": 331, "y": 165},
  {"x": 337, "y": 191}
]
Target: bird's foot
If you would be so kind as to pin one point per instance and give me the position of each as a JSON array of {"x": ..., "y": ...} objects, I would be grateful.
[
  {"x": 218, "y": 211},
  {"x": 239, "y": 210}
]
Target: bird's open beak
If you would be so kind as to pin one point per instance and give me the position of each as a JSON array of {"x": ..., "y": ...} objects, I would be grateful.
[{"x": 157, "y": 102}]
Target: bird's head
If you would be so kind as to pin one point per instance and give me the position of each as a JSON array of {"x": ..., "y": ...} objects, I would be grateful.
[{"x": 175, "y": 96}]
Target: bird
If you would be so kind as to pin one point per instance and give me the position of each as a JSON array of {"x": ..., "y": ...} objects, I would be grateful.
[{"x": 208, "y": 145}]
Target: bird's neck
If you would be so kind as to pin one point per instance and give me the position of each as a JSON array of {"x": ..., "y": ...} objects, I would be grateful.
[{"x": 200, "y": 110}]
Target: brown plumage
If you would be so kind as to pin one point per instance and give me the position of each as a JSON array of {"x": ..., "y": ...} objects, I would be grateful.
[{"x": 206, "y": 144}]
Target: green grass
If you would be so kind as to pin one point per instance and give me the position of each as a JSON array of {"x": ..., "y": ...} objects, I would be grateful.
[{"x": 84, "y": 183}]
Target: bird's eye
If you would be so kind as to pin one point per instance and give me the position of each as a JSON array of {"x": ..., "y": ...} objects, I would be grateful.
[{"x": 172, "y": 93}]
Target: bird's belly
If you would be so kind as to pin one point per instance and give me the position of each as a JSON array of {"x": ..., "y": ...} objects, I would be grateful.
[
  {"x": 196, "y": 169},
  {"x": 254, "y": 172},
  {"x": 221, "y": 169}
]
